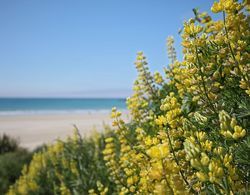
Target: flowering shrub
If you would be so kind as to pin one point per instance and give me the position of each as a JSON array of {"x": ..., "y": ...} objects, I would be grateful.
[
  {"x": 70, "y": 167},
  {"x": 189, "y": 129}
]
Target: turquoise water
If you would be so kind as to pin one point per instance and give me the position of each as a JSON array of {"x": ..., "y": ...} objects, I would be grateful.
[{"x": 10, "y": 106}]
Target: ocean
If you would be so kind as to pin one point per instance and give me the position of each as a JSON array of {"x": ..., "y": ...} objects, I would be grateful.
[{"x": 24, "y": 106}]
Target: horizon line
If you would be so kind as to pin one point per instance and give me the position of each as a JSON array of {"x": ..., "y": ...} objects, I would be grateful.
[{"x": 61, "y": 97}]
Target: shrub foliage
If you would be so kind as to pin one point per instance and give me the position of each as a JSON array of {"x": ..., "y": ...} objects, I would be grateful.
[
  {"x": 12, "y": 159},
  {"x": 189, "y": 129},
  {"x": 8, "y": 144}
]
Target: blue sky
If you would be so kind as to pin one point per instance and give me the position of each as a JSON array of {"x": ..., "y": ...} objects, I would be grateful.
[{"x": 84, "y": 48}]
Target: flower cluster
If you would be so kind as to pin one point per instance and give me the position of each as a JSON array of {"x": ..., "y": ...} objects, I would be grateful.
[{"x": 229, "y": 128}]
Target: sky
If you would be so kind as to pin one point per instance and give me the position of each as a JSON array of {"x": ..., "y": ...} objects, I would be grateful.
[{"x": 84, "y": 48}]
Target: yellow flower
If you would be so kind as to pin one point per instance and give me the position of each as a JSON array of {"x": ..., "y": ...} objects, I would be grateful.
[
  {"x": 158, "y": 78},
  {"x": 64, "y": 190},
  {"x": 158, "y": 152},
  {"x": 148, "y": 141},
  {"x": 92, "y": 192},
  {"x": 161, "y": 188},
  {"x": 239, "y": 132},
  {"x": 156, "y": 171},
  {"x": 217, "y": 7},
  {"x": 192, "y": 29},
  {"x": 130, "y": 181},
  {"x": 161, "y": 120}
]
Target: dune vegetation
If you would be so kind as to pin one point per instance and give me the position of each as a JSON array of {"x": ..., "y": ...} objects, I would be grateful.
[
  {"x": 12, "y": 159},
  {"x": 189, "y": 131}
]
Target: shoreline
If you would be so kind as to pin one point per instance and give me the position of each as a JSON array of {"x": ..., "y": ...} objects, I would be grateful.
[
  {"x": 56, "y": 112},
  {"x": 33, "y": 130}
]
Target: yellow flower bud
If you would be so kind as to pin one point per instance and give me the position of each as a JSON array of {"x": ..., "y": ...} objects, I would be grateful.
[
  {"x": 237, "y": 129},
  {"x": 243, "y": 133},
  {"x": 204, "y": 159},
  {"x": 208, "y": 145},
  {"x": 202, "y": 176},
  {"x": 219, "y": 172},
  {"x": 233, "y": 122},
  {"x": 195, "y": 163},
  {"x": 227, "y": 134},
  {"x": 109, "y": 139}
]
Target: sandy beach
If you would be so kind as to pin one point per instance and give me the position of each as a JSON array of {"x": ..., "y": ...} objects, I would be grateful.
[{"x": 35, "y": 130}]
